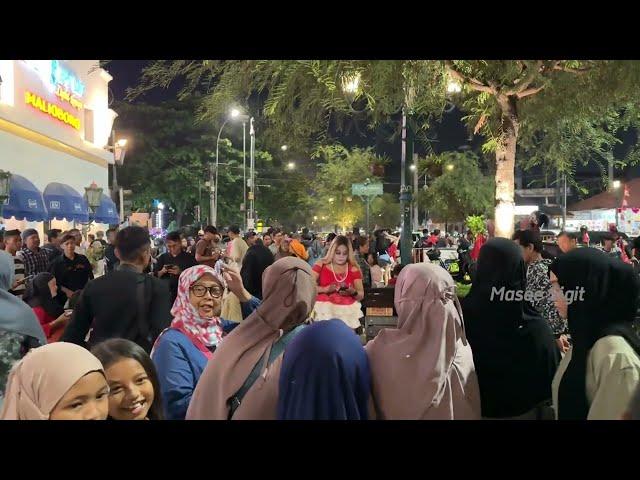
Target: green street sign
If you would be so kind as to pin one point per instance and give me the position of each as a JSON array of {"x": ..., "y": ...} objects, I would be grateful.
[{"x": 366, "y": 190}]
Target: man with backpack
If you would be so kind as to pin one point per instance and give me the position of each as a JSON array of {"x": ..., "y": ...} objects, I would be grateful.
[{"x": 124, "y": 304}]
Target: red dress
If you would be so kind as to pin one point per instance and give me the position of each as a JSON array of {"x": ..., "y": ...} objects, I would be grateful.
[
  {"x": 52, "y": 334},
  {"x": 334, "y": 305}
]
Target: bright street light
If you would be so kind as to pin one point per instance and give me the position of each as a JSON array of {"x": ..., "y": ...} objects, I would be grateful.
[
  {"x": 122, "y": 142},
  {"x": 291, "y": 165},
  {"x": 160, "y": 206},
  {"x": 616, "y": 184},
  {"x": 453, "y": 87},
  {"x": 234, "y": 112},
  {"x": 284, "y": 148},
  {"x": 450, "y": 167},
  {"x": 412, "y": 167},
  {"x": 315, "y": 218},
  {"x": 350, "y": 86}
]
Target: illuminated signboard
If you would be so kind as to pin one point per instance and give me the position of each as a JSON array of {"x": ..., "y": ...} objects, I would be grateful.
[
  {"x": 60, "y": 80},
  {"x": 51, "y": 109}
]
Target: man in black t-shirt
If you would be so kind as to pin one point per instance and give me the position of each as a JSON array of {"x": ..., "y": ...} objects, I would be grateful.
[
  {"x": 72, "y": 270},
  {"x": 110, "y": 259},
  {"x": 172, "y": 263}
]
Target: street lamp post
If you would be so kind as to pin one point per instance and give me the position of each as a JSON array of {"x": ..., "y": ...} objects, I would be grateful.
[
  {"x": 405, "y": 191},
  {"x": 5, "y": 188},
  {"x": 252, "y": 175},
  {"x": 119, "y": 150},
  {"x": 213, "y": 182},
  {"x": 94, "y": 197}
]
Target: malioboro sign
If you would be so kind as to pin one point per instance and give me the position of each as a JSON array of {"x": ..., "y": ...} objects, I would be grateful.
[
  {"x": 64, "y": 84},
  {"x": 51, "y": 109}
]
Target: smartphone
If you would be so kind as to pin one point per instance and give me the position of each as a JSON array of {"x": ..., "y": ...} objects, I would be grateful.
[
  {"x": 218, "y": 267},
  {"x": 68, "y": 312},
  {"x": 169, "y": 266}
]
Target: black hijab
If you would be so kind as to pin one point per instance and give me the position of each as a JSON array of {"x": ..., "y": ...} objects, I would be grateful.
[
  {"x": 39, "y": 295},
  {"x": 607, "y": 307},
  {"x": 514, "y": 351},
  {"x": 255, "y": 262}
]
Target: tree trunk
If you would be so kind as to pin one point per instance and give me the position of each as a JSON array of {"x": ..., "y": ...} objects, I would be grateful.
[{"x": 505, "y": 167}]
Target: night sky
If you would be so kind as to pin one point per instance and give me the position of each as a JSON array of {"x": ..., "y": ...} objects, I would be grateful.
[{"x": 451, "y": 133}]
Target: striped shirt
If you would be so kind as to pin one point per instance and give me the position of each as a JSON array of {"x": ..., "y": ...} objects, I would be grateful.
[
  {"x": 19, "y": 275},
  {"x": 34, "y": 262}
]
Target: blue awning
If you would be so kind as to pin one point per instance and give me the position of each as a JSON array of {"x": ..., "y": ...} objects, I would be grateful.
[
  {"x": 25, "y": 201},
  {"x": 63, "y": 202},
  {"x": 107, "y": 212}
]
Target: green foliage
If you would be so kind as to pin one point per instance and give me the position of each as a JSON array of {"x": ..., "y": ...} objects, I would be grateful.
[
  {"x": 458, "y": 191},
  {"x": 385, "y": 211},
  {"x": 476, "y": 224},
  {"x": 340, "y": 168}
]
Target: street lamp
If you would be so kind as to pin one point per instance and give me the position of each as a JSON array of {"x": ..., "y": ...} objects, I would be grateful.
[
  {"x": 160, "y": 212},
  {"x": 234, "y": 114},
  {"x": 450, "y": 166},
  {"x": 119, "y": 150},
  {"x": 453, "y": 87},
  {"x": 350, "y": 86},
  {"x": 94, "y": 196},
  {"x": 616, "y": 184},
  {"x": 412, "y": 167},
  {"x": 284, "y": 148},
  {"x": 5, "y": 188},
  {"x": 291, "y": 165}
]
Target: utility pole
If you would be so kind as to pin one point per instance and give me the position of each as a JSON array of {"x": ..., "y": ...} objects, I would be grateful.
[{"x": 405, "y": 192}]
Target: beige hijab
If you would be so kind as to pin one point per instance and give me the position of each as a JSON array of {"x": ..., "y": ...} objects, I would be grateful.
[
  {"x": 289, "y": 293},
  {"x": 424, "y": 369},
  {"x": 38, "y": 381}
]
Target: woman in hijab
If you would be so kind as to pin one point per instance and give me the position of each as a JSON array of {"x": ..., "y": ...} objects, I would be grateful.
[
  {"x": 19, "y": 327},
  {"x": 241, "y": 381},
  {"x": 60, "y": 381},
  {"x": 598, "y": 376},
  {"x": 325, "y": 375},
  {"x": 424, "y": 370},
  {"x": 256, "y": 261},
  {"x": 297, "y": 248},
  {"x": 40, "y": 297},
  {"x": 182, "y": 351},
  {"x": 514, "y": 351}
]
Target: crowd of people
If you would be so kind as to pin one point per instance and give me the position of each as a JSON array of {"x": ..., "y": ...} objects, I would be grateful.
[{"x": 268, "y": 326}]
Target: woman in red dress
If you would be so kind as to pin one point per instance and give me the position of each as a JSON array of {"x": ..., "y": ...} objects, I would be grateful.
[{"x": 340, "y": 287}]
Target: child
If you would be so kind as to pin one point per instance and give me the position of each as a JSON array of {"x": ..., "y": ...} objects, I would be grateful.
[{"x": 376, "y": 271}]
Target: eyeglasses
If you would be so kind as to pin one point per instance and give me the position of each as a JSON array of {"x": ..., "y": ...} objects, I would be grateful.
[{"x": 201, "y": 290}]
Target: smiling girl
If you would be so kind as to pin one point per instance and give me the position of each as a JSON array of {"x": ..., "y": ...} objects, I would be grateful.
[{"x": 133, "y": 381}]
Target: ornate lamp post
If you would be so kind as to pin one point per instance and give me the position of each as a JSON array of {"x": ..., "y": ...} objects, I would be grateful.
[
  {"x": 5, "y": 188},
  {"x": 94, "y": 197}
]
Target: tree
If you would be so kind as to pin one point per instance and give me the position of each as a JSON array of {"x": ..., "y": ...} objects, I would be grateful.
[
  {"x": 339, "y": 170},
  {"x": 507, "y": 102},
  {"x": 168, "y": 155},
  {"x": 385, "y": 211},
  {"x": 459, "y": 189}
]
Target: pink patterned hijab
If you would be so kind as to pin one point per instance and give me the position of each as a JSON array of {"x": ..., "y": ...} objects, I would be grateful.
[
  {"x": 423, "y": 370},
  {"x": 203, "y": 332}
]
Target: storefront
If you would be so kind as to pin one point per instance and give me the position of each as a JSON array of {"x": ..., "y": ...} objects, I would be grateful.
[{"x": 55, "y": 123}]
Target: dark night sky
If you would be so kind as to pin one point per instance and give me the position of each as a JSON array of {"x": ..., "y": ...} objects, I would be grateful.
[{"x": 451, "y": 133}]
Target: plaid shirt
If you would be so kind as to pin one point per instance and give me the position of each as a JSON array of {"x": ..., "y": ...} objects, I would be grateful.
[{"x": 34, "y": 263}]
